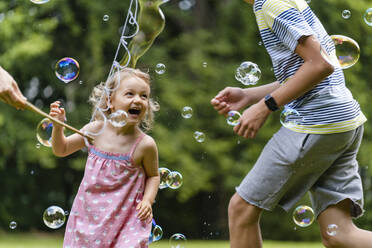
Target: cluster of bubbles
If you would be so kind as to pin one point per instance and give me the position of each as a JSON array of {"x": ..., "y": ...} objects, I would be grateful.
[
  {"x": 233, "y": 118},
  {"x": 248, "y": 73},
  {"x": 303, "y": 216},
  {"x": 170, "y": 179},
  {"x": 177, "y": 240},
  {"x": 67, "y": 69}
]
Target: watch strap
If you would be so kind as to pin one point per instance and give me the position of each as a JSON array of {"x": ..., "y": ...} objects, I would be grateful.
[{"x": 271, "y": 103}]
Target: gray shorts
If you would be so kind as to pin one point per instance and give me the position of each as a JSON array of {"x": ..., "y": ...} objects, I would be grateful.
[{"x": 293, "y": 163}]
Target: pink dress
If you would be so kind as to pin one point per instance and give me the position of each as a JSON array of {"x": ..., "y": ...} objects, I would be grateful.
[{"x": 104, "y": 210}]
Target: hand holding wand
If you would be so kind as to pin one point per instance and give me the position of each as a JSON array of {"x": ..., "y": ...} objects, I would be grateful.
[{"x": 35, "y": 109}]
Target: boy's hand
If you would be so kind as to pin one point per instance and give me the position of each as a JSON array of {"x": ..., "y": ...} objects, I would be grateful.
[
  {"x": 144, "y": 211},
  {"x": 57, "y": 112},
  {"x": 252, "y": 119},
  {"x": 230, "y": 98},
  {"x": 9, "y": 91}
]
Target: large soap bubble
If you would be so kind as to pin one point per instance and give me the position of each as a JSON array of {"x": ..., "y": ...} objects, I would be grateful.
[
  {"x": 303, "y": 216},
  {"x": 248, "y": 73},
  {"x": 44, "y": 132},
  {"x": 67, "y": 69},
  {"x": 54, "y": 217}
]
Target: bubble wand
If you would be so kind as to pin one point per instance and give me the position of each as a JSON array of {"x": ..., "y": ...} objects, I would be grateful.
[{"x": 35, "y": 109}]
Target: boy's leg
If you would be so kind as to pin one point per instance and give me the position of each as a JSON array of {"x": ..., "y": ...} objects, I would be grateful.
[
  {"x": 346, "y": 235},
  {"x": 244, "y": 224}
]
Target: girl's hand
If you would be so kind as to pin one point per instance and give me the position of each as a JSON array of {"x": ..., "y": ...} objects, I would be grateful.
[
  {"x": 144, "y": 211},
  {"x": 57, "y": 112}
]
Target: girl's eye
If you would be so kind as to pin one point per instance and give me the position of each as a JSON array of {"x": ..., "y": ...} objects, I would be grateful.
[
  {"x": 144, "y": 96},
  {"x": 129, "y": 94}
]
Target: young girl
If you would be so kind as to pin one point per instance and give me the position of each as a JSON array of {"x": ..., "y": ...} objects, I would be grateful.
[{"x": 113, "y": 205}]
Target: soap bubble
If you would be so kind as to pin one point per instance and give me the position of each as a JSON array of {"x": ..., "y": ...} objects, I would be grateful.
[
  {"x": 199, "y": 136},
  {"x": 174, "y": 180},
  {"x": 177, "y": 240},
  {"x": 290, "y": 117},
  {"x": 346, "y": 14},
  {"x": 39, "y": 1},
  {"x": 332, "y": 229},
  {"x": 187, "y": 112},
  {"x": 303, "y": 216},
  {"x": 205, "y": 64},
  {"x": 106, "y": 18},
  {"x": 163, "y": 172},
  {"x": 44, "y": 132},
  {"x": 248, "y": 73},
  {"x": 13, "y": 225},
  {"x": 346, "y": 54},
  {"x": 54, "y": 217},
  {"x": 368, "y": 17},
  {"x": 160, "y": 68},
  {"x": 156, "y": 232},
  {"x": 118, "y": 118},
  {"x": 67, "y": 69},
  {"x": 233, "y": 118}
]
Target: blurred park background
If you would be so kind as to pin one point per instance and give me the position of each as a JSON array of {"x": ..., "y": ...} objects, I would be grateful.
[{"x": 203, "y": 43}]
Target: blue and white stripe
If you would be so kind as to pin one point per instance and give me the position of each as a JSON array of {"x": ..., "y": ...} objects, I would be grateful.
[{"x": 327, "y": 108}]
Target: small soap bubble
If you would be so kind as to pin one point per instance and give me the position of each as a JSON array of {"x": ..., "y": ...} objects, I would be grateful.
[
  {"x": 233, "y": 118},
  {"x": 177, "y": 240},
  {"x": 66, "y": 213},
  {"x": 54, "y": 217},
  {"x": 308, "y": 1},
  {"x": 106, "y": 18},
  {"x": 185, "y": 4},
  {"x": 248, "y": 73},
  {"x": 368, "y": 17},
  {"x": 346, "y": 14},
  {"x": 187, "y": 112},
  {"x": 290, "y": 117},
  {"x": 39, "y": 1},
  {"x": 67, "y": 69},
  {"x": 37, "y": 145},
  {"x": 13, "y": 225},
  {"x": 118, "y": 118},
  {"x": 332, "y": 229},
  {"x": 156, "y": 232},
  {"x": 163, "y": 172},
  {"x": 80, "y": 82},
  {"x": 260, "y": 43},
  {"x": 303, "y": 216},
  {"x": 199, "y": 136},
  {"x": 44, "y": 132},
  {"x": 175, "y": 180},
  {"x": 32, "y": 172},
  {"x": 160, "y": 68},
  {"x": 205, "y": 64}
]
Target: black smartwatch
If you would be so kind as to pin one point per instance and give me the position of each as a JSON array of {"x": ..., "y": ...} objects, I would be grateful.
[{"x": 271, "y": 103}]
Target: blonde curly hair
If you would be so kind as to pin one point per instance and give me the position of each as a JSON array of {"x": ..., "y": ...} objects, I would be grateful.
[{"x": 101, "y": 94}]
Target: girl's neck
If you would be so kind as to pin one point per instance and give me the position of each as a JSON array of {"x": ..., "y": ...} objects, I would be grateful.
[{"x": 126, "y": 130}]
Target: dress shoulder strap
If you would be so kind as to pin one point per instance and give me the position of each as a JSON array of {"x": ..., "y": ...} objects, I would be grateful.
[{"x": 135, "y": 144}]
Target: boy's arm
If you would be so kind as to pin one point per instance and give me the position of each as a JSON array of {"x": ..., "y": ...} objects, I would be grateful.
[{"x": 314, "y": 69}]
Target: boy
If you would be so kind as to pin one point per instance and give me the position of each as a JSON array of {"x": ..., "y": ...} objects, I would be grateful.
[{"x": 318, "y": 153}]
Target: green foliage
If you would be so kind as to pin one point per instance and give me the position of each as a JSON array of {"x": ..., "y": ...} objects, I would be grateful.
[{"x": 221, "y": 33}]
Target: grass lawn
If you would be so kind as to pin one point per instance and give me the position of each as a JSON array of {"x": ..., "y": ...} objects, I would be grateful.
[{"x": 52, "y": 241}]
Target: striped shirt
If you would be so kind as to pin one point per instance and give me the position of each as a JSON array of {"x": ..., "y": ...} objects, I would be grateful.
[{"x": 330, "y": 106}]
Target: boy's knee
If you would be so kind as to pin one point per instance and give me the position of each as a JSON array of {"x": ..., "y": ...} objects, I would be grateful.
[{"x": 242, "y": 212}]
